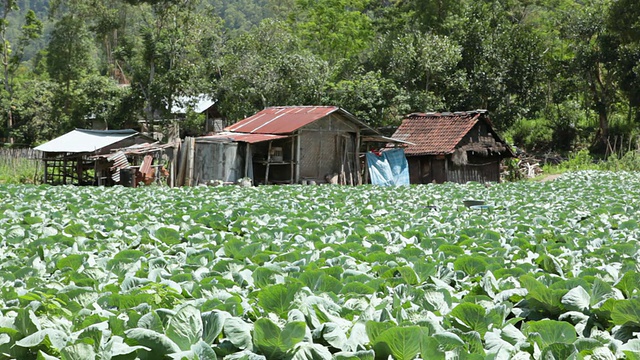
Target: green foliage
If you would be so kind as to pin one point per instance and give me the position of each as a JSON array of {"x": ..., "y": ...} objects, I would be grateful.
[
  {"x": 18, "y": 170},
  {"x": 581, "y": 160},
  {"x": 404, "y": 343},
  {"x": 629, "y": 162},
  {"x": 541, "y": 298},
  {"x": 333, "y": 29},
  {"x": 626, "y": 312},
  {"x": 548, "y": 332},
  {"x": 371, "y": 97},
  {"x": 472, "y": 266},
  {"x": 275, "y": 343},
  {"x": 556, "y": 74},
  {"x": 267, "y": 67},
  {"x": 320, "y": 272},
  {"x": 278, "y": 298},
  {"x": 532, "y": 135},
  {"x": 472, "y": 317},
  {"x": 69, "y": 52}
]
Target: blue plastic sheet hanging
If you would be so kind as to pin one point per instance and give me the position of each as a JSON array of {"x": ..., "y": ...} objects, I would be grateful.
[{"x": 390, "y": 168}]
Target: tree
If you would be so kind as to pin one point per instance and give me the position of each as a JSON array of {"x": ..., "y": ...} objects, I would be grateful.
[
  {"x": 623, "y": 23},
  {"x": 70, "y": 51},
  {"x": 372, "y": 98},
  {"x": 69, "y": 60},
  {"x": 34, "y": 104},
  {"x": 267, "y": 67},
  {"x": 100, "y": 100},
  {"x": 502, "y": 61},
  {"x": 168, "y": 61},
  {"x": 426, "y": 16},
  {"x": 12, "y": 58},
  {"x": 592, "y": 61},
  {"x": 423, "y": 64},
  {"x": 333, "y": 29}
]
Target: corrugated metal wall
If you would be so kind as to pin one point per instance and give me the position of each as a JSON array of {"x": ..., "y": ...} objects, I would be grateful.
[{"x": 218, "y": 161}]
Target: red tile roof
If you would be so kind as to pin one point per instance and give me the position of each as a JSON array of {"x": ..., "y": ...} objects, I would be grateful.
[
  {"x": 282, "y": 119},
  {"x": 435, "y": 133}
]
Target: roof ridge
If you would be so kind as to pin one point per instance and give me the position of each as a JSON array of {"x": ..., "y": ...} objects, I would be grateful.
[
  {"x": 446, "y": 113},
  {"x": 115, "y": 131}
]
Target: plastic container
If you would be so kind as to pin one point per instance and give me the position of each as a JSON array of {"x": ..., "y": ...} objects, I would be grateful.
[{"x": 470, "y": 203}]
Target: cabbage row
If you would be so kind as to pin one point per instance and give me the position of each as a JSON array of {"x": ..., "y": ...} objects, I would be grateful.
[{"x": 545, "y": 271}]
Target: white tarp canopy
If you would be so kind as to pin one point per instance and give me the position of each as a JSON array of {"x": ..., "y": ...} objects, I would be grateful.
[{"x": 81, "y": 140}]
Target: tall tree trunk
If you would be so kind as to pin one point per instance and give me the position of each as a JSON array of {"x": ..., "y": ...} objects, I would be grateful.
[
  {"x": 6, "y": 51},
  {"x": 601, "y": 106}
]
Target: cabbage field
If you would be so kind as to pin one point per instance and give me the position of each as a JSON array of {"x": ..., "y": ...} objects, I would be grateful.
[{"x": 548, "y": 270}]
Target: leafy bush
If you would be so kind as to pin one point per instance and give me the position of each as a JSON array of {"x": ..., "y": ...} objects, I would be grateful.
[
  {"x": 629, "y": 162},
  {"x": 581, "y": 160},
  {"x": 534, "y": 135}
]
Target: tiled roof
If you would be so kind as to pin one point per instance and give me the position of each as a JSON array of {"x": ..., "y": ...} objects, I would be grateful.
[{"x": 435, "y": 133}]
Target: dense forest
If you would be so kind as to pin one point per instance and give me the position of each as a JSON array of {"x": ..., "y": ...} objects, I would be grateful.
[{"x": 554, "y": 74}]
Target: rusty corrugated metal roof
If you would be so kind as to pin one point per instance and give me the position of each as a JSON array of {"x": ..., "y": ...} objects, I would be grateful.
[
  {"x": 435, "y": 133},
  {"x": 239, "y": 137},
  {"x": 283, "y": 119}
]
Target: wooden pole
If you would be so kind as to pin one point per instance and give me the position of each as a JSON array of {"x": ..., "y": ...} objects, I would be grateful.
[
  {"x": 357, "y": 158},
  {"x": 609, "y": 149},
  {"x": 247, "y": 160},
  {"x": 298, "y": 157},
  {"x": 64, "y": 174},
  {"x": 266, "y": 174},
  {"x": 45, "y": 176},
  {"x": 366, "y": 169},
  {"x": 446, "y": 169},
  {"x": 183, "y": 162},
  {"x": 190, "y": 160},
  {"x": 342, "y": 179},
  {"x": 293, "y": 174},
  {"x": 174, "y": 161}
]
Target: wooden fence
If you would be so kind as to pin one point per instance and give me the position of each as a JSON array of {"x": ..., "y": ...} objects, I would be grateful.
[
  {"x": 20, "y": 153},
  {"x": 620, "y": 144},
  {"x": 13, "y": 157}
]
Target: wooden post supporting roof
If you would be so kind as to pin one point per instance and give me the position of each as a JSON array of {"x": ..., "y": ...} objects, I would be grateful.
[
  {"x": 297, "y": 140},
  {"x": 247, "y": 160}
]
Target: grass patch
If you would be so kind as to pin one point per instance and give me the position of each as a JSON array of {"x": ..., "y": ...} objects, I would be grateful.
[
  {"x": 582, "y": 160},
  {"x": 19, "y": 170}
]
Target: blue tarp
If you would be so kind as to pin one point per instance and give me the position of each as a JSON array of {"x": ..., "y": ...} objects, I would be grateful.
[{"x": 390, "y": 168}]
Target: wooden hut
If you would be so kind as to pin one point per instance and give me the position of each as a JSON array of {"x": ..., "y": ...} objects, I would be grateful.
[
  {"x": 457, "y": 147},
  {"x": 286, "y": 145},
  {"x": 84, "y": 157}
]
